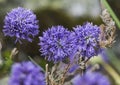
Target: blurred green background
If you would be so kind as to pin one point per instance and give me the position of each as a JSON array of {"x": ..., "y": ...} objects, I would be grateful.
[{"x": 68, "y": 13}]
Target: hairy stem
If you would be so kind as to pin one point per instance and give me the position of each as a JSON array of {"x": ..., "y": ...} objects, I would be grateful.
[
  {"x": 47, "y": 76},
  {"x": 105, "y": 3}
]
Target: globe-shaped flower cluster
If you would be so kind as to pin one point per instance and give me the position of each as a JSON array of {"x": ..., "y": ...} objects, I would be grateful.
[
  {"x": 91, "y": 78},
  {"x": 21, "y": 23},
  {"x": 56, "y": 43},
  {"x": 86, "y": 39},
  {"x": 26, "y": 73}
]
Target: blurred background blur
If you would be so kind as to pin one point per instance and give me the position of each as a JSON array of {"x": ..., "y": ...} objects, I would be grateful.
[{"x": 68, "y": 13}]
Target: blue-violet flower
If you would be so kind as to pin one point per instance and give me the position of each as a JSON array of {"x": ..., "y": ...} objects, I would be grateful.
[
  {"x": 86, "y": 39},
  {"x": 26, "y": 73},
  {"x": 56, "y": 43},
  {"x": 21, "y": 23},
  {"x": 91, "y": 78}
]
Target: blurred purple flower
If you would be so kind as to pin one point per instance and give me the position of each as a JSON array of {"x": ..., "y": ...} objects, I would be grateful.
[
  {"x": 26, "y": 73},
  {"x": 73, "y": 68},
  {"x": 56, "y": 44},
  {"x": 104, "y": 55},
  {"x": 91, "y": 78},
  {"x": 86, "y": 39},
  {"x": 21, "y": 23}
]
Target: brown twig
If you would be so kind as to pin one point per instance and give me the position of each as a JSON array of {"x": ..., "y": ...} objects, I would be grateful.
[
  {"x": 64, "y": 73},
  {"x": 13, "y": 53},
  {"x": 108, "y": 30}
]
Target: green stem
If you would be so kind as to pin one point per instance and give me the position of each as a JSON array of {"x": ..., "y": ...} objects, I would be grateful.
[
  {"x": 111, "y": 12},
  {"x": 112, "y": 72},
  {"x": 1, "y": 60},
  {"x": 35, "y": 62}
]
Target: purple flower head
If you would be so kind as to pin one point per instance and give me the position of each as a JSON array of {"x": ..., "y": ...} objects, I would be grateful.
[
  {"x": 26, "y": 73},
  {"x": 21, "y": 23},
  {"x": 73, "y": 68},
  {"x": 86, "y": 39},
  {"x": 91, "y": 78},
  {"x": 104, "y": 55},
  {"x": 56, "y": 44}
]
